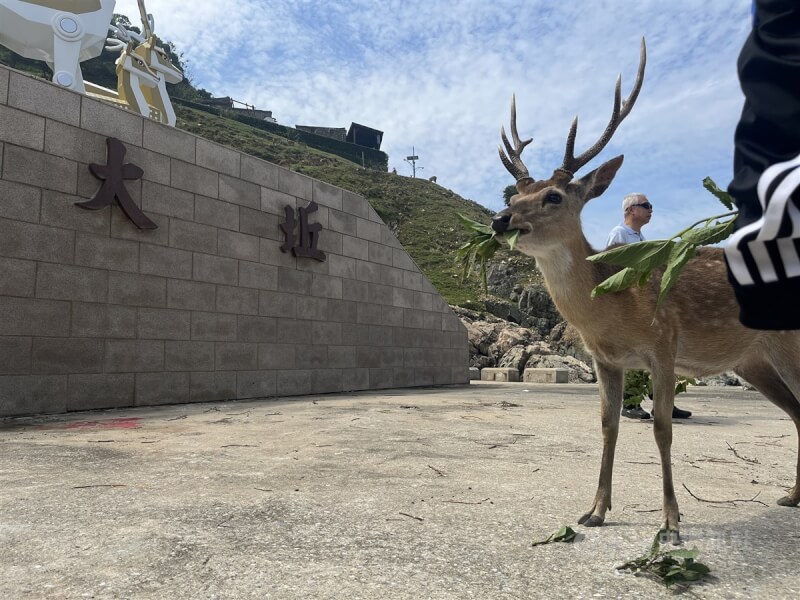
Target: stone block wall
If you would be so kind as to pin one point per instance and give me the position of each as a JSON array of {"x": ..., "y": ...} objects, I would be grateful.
[{"x": 95, "y": 313}]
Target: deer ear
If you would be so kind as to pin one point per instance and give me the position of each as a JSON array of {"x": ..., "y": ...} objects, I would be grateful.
[{"x": 595, "y": 183}]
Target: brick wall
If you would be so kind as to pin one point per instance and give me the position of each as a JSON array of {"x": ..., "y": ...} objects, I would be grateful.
[{"x": 96, "y": 313}]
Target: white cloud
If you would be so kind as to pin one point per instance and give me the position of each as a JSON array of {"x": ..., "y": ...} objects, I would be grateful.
[{"x": 438, "y": 75}]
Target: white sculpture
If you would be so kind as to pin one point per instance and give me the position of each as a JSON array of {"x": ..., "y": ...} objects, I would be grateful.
[
  {"x": 60, "y": 32},
  {"x": 143, "y": 71},
  {"x": 65, "y": 32}
]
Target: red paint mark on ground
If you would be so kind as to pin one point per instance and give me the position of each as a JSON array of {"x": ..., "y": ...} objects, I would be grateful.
[{"x": 120, "y": 423}]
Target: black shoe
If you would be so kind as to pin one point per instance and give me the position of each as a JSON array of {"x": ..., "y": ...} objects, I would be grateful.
[
  {"x": 677, "y": 413},
  {"x": 636, "y": 412}
]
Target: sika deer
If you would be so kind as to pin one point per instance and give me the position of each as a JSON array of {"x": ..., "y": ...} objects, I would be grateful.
[{"x": 695, "y": 332}]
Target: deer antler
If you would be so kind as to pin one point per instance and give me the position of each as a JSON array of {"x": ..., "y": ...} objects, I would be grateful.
[
  {"x": 513, "y": 162},
  {"x": 572, "y": 164}
]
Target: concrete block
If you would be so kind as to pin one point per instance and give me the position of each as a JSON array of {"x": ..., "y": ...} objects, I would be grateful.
[
  {"x": 368, "y": 230},
  {"x": 93, "y": 392},
  {"x": 326, "y": 194},
  {"x": 191, "y": 295},
  {"x": 111, "y": 121},
  {"x": 341, "y": 266},
  {"x": 134, "y": 356},
  {"x": 433, "y": 321},
  {"x": 168, "y": 201},
  {"x": 381, "y": 335},
  {"x": 192, "y": 178},
  {"x": 355, "y": 379},
  {"x": 4, "y": 86},
  {"x": 425, "y": 376},
  {"x": 356, "y": 291},
  {"x": 403, "y": 377},
  {"x": 330, "y": 242},
  {"x": 26, "y": 316},
  {"x": 378, "y": 253},
  {"x": 169, "y": 141},
  {"x": 373, "y": 216},
  {"x": 498, "y": 374},
  {"x": 276, "y": 356},
  {"x": 295, "y": 184},
  {"x": 35, "y": 242},
  {"x": 213, "y": 327},
  {"x": 403, "y": 298},
  {"x": 391, "y": 276},
  {"x": 21, "y": 128},
  {"x": 238, "y": 245},
  {"x": 19, "y": 202},
  {"x": 163, "y": 324},
  {"x": 261, "y": 224},
  {"x": 369, "y": 314},
  {"x": 52, "y": 356},
  {"x": 544, "y": 375},
  {"x": 277, "y": 304},
  {"x": 326, "y": 381},
  {"x": 389, "y": 239},
  {"x": 162, "y": 388},
  {"x": 212, "y": 386},
  {"x": 270, "y": 254},
  {"x": 295, "y": 282},
  {"x": 17, "y": 277},
  {"x": 341, "y": 357},
  {"x": 42, "y": 170},
  {"x": 44, "y": 98},
  {"x": 367, "y": 357},
  {"x": 392, "y": 357},
  {"x": 323, "y": 332},
  {"x": 103, "y": 252},
  {"x": 424, "y": 301},
  {"x": 392, "y": 316},
  {"x": 474, "y": 374},
  {"x": 59, "y": 210},
  {"x": 215, "y": 269},
  {"x": 218, "y": 158},
  {"x": 294, "y": 383},
  {"x": 297, "y": 331},
  {"x": 402, "y": 260},
  {"x": 354, "y": 204},
  {"x": 74, "y": 143},
  {"x": 103, "y": 321},
  {"x": 275, "y": 202},
  {"x": 367, "y": 271},
  {"x": 220, "y": 214},
  {"x": 192, "y": 236},
  {"x": 380, "y": 294},
  {"x": 256, "y": 384},
  {"x": 236, "y": 356},
  {"x": 237, "y": 300},
  {"x": 256, "y": 275},
  {"x": 15, "y": 355},
  {"x": 413, "y": 319},
  {"x": 413, "y": 281},
  {"x": 64, "y": 282},
  {"x": 137, "y": 290},
  {"x": 156, "y": 167},
  {"x": 381, "y": 378},
  {"x": 32, "y": 394},
  {"x": 325, "y": 286},
  {"x": 255, "y": 329},
  {"x": 167, "y": 262},
  {"x": 260, "y": 172},
  {"x": 312, "y": 309},
  {"x": 187, "y": 356},
  {"x": 238, "y": 191}
]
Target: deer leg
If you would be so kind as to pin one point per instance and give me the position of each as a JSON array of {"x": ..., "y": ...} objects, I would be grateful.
[
  {"x": 769, "y": 382},
  {"x": 663, "y": 399},
  {"x": 610, "y": 379}
]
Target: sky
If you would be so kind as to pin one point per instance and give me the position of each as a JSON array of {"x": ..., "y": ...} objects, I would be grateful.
[{"x": 437, "y": 76}]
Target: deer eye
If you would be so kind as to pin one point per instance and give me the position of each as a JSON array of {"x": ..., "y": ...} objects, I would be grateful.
[{"x": 553, "y": 198}]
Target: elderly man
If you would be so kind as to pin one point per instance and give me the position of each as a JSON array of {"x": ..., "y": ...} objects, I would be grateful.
[{"x": 636, "y": 213}]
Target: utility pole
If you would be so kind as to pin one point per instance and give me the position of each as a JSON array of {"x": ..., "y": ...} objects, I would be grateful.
[{"x": 413, "y": 161}]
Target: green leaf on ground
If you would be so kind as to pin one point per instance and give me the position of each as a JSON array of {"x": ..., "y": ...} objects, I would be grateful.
[
  {"x": 669, "y": 566},
  {"x": 565, "y": 534}
]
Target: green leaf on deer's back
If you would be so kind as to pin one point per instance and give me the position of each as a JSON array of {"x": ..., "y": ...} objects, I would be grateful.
[
  {"x": 722, "y": 195},
  {"x": 645, "y": 277},
  {"x": 617, "y": 282},
  {"x": 680, "y": 255},
  {"x": 712, "y": 234},
  {"x": 643, "y": 256}
]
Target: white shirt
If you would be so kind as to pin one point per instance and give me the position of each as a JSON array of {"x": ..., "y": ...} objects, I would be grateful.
[{"x": 622, "y": 234}]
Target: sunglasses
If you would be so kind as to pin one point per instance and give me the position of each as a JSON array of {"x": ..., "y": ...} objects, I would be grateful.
[{"x": 644, "y": 205}]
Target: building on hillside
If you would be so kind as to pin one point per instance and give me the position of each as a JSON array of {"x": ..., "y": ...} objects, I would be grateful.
[
  {"x": 335, "y": 133},
  {"x": 364, "y": 136},
  {"x": 248, "y": 110}
]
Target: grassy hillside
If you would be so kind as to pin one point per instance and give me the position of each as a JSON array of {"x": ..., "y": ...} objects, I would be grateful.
[{"x": 423, "y": 215}]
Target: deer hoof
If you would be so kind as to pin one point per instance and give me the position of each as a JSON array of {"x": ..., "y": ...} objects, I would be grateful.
[
  {"x": 591, "y": 520},
  {"x": 671, "y": 536},
  {"x": 789, "y": 501}
]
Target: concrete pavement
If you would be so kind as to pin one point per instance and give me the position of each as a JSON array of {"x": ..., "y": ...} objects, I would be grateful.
[{"x": 409, "y": 493}]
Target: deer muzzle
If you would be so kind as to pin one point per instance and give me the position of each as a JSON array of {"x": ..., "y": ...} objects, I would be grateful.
[{"x": 500, "y": 221}]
